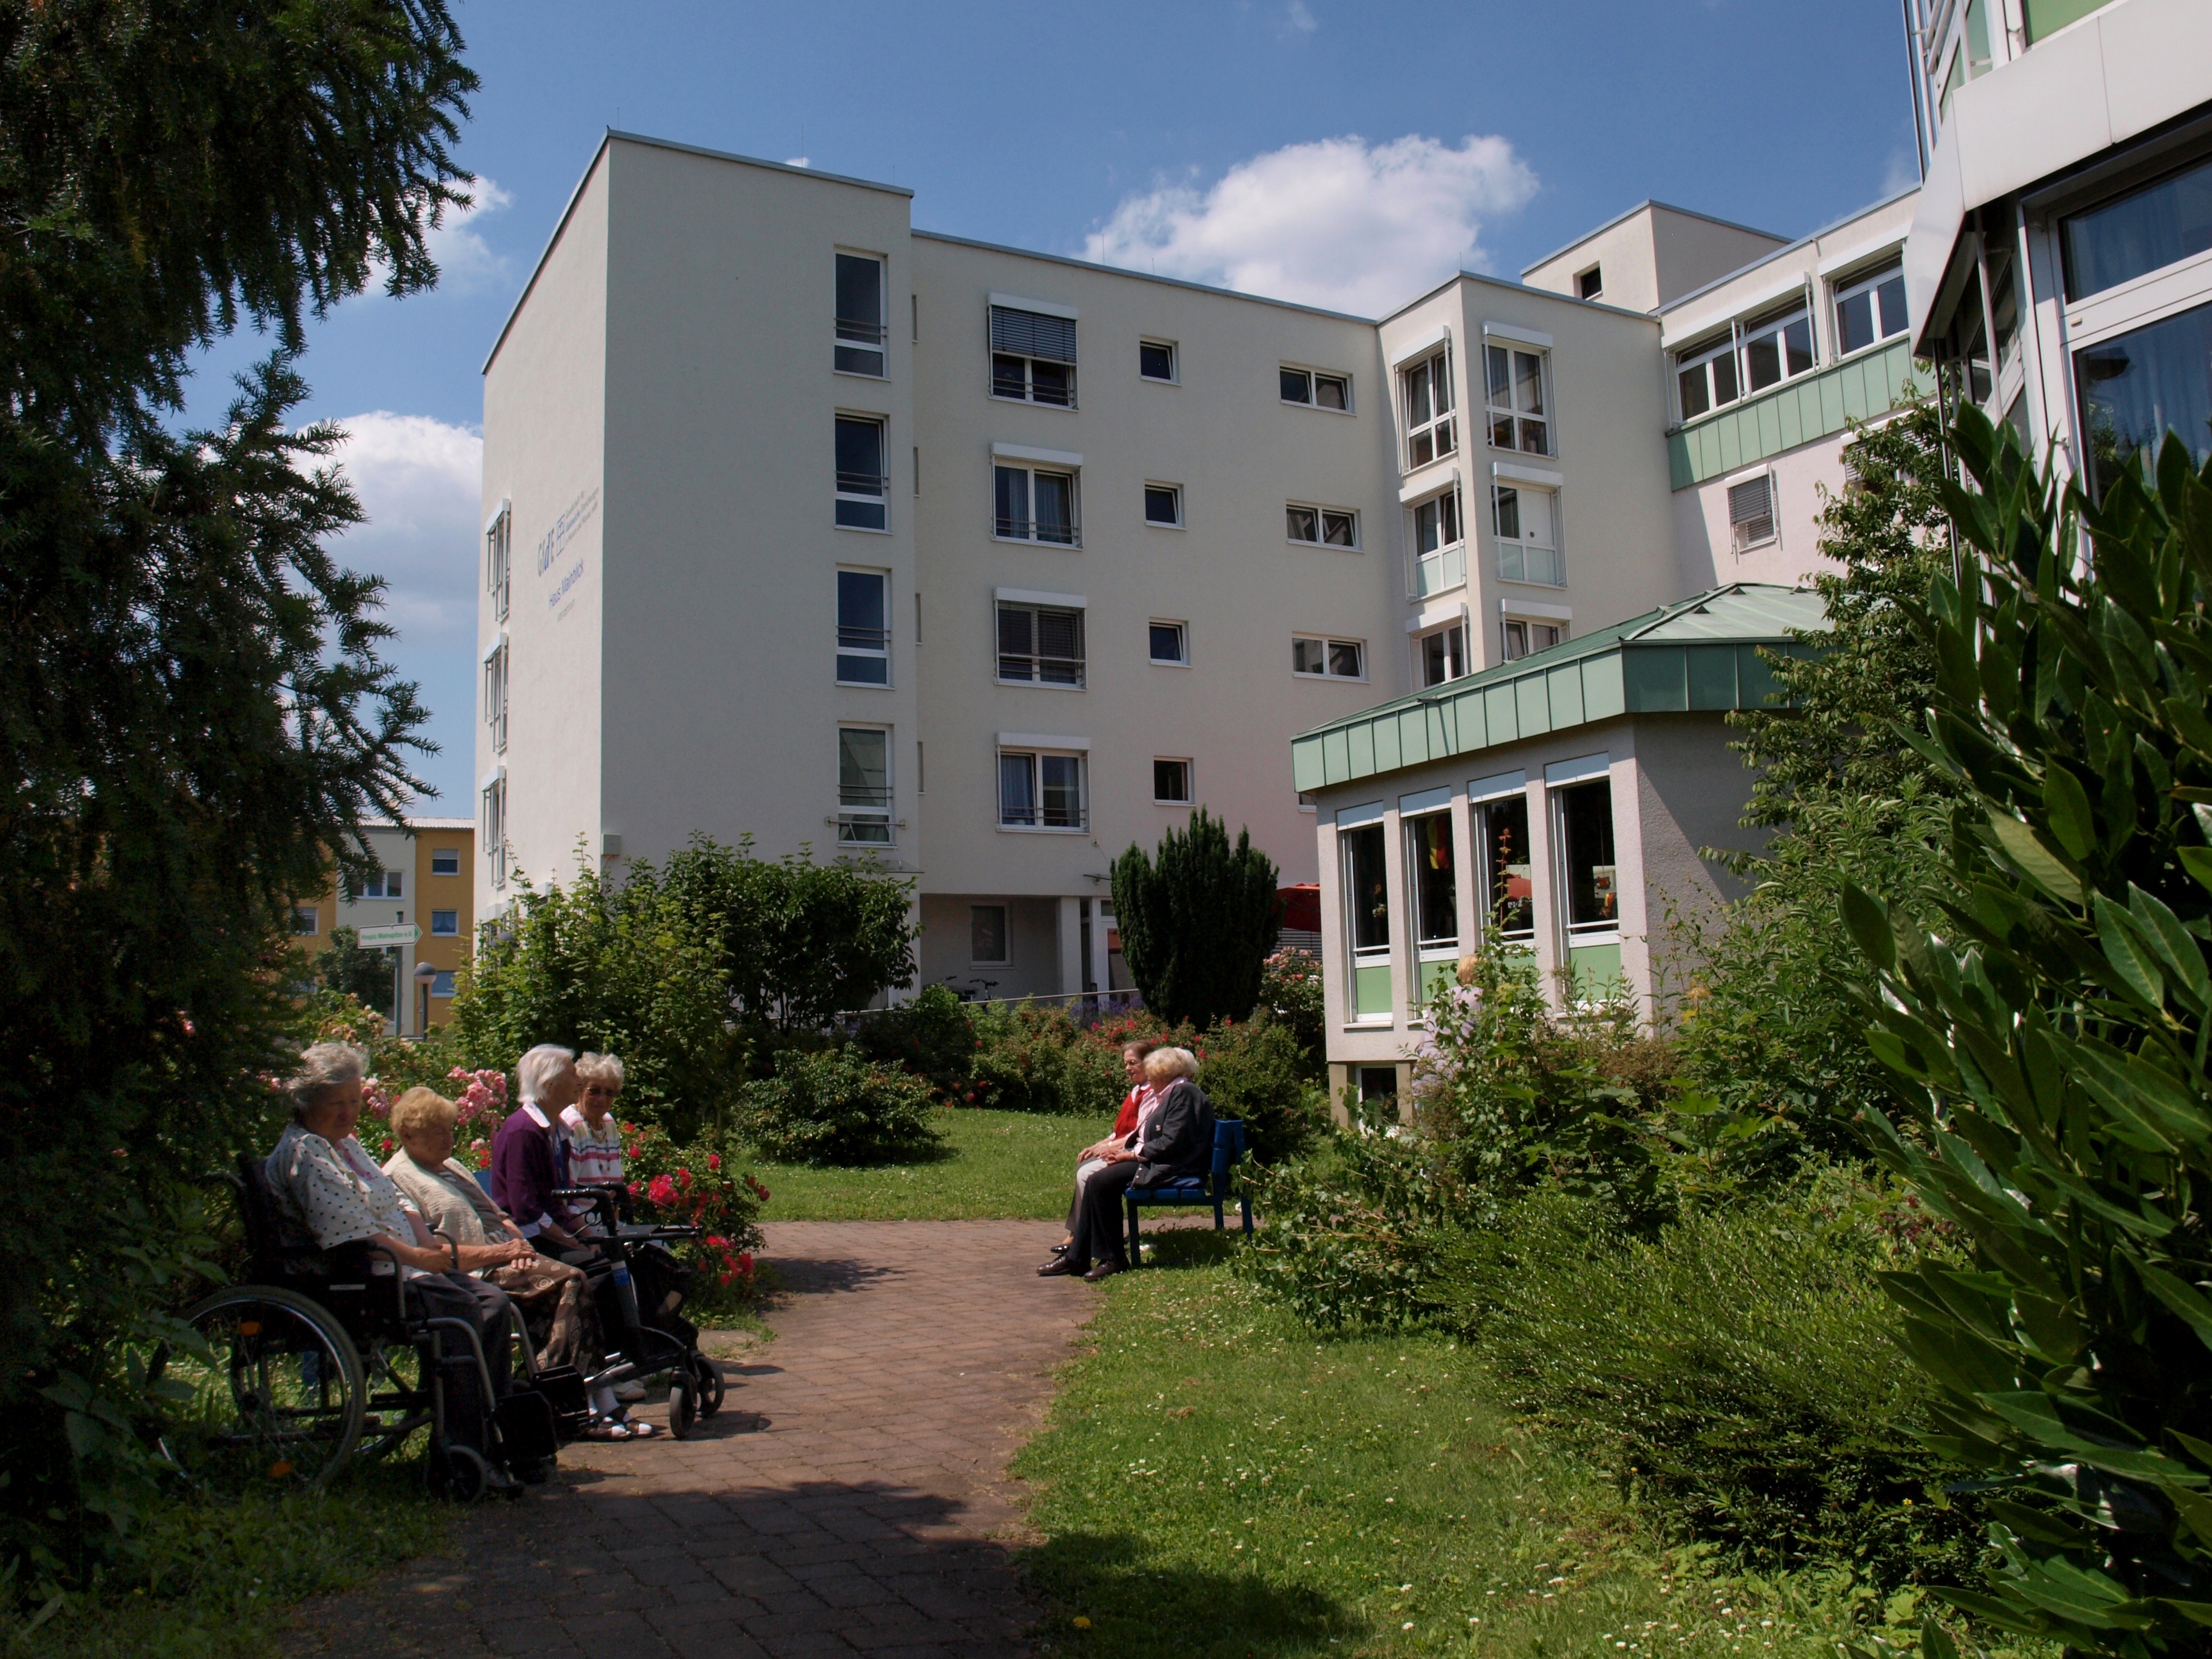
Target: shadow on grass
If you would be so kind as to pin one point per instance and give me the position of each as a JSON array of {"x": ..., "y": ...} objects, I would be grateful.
[
  {"x": 1188, "y": 1246},
  {"x": 1138, "y": 1606}
]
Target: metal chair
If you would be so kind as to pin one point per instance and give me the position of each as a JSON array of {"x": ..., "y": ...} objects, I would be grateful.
[{"x": 1212, "y": 1188}]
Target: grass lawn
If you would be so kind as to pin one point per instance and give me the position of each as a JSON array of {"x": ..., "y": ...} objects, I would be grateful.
[
  {"x": 1215, "y": 1480},
  {"x": 995, "y": 1166}
]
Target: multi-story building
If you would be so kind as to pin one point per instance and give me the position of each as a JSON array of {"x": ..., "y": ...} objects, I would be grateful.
[
  {"x": 426, "y": 879},
  {"x": 804, "y": 524},
  {"x": 2059, "y": 270}
]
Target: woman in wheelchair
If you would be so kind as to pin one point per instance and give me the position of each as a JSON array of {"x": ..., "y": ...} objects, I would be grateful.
[
  {"x": 327, "y": 1185},
  {"x": 555, "y": 1299}
]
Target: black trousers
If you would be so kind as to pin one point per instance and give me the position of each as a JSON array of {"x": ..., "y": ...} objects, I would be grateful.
[
  {"x": 1099, "y": 1229},
  {"x": 487, "y": 1311}
]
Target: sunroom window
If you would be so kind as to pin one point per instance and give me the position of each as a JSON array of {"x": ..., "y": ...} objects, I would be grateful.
[
  {"x": 1508, "y": 888},
  {"x": 1433, "y": 875}
]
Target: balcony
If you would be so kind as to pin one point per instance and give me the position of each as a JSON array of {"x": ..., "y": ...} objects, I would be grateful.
[{"x": 1799, "y": 411}]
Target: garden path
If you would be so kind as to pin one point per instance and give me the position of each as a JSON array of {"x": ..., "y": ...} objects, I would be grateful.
[{"x": 850, "y": 1496}]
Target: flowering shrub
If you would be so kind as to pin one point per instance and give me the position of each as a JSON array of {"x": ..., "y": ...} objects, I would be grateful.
[
  {"x": 1034, "y": 1059},
  {"x": 1290, "y": 987},
  {"x": 836, "y": 1108},
  {"x": 695, "y": 1185},
  {"x": 931, "y": 1035}
]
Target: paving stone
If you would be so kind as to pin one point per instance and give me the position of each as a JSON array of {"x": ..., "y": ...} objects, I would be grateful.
[{"x": 850, "y": 1496}]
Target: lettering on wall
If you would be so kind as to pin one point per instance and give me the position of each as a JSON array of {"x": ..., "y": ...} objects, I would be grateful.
[
  {"x": 575, "y": 574},
  {"x": 556, "y": 541}
]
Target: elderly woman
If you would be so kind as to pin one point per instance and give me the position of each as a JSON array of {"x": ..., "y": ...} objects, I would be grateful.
[
  {"x": 1174, "y": 1140},
  {"x": 1136, "y": 1106},
  {"x": 525, "y": 1153},
  {"x": 326, "y": 1186},
  {"x": 594, "y": 1139},
  {"x": 554, "y": 1298}
]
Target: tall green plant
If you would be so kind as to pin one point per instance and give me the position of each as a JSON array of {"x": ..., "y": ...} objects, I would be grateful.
[
  {"x": 1198, "y": 924},
  {"x": 2051, "y": 1039}
]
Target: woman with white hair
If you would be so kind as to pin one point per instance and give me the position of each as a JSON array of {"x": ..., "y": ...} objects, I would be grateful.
[
  {"x": 525, "y": 1153},
  {"x": 1176, "y": 1140},
  {"x": 594, "y": 1139},
  {"x": 326, "y": 1186}
]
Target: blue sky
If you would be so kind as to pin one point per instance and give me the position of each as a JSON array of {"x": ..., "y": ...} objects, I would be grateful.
[{"x": 1324, "y": 151}]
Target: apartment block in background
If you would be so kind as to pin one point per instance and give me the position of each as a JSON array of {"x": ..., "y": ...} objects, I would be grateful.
[{"x": 427, "y": 878}]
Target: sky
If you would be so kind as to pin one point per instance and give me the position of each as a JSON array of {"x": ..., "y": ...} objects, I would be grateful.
[{"x": 1343, "y": 155}]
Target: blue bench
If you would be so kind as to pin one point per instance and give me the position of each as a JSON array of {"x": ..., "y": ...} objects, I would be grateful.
[{"x": 1212, "y": 1188}]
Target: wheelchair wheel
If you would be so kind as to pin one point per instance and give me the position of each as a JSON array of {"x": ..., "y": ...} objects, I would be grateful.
[
  {"x": 273, "y": 1389},
  {"x": 710, "y": 1384},
  {"x": 467, "y": 1476},
  {"x": 683, "y": 1412}
]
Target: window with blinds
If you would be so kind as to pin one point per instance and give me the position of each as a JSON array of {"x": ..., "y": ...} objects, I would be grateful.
[
  {"x": 1032, "y": 357},
  {"x": 1040, "y": 645},
  {"x": 1751, "y": 512}
]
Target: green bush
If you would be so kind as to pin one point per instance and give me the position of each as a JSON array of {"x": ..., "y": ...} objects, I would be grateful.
[
  {"x": 1031, "y": 1058},
  {"x": 1356, "y": 1233},
  {"x": 837, "y": 1108},
  {"x": 1739, "y": 1370},
  {"x": 1256, "y": 1070},
  {"x": 1291, "y": 989},
  {"x": 931, "y": 1035}
]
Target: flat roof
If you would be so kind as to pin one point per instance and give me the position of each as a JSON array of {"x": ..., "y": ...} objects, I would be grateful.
[
  {"x": 1699, "y": 655},
  {"x": 1630, "y": 213},
  {"x": 1141, "y": 275},
  {"x": 1828, "y": 229}
]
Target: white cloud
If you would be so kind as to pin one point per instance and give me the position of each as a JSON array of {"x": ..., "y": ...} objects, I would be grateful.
[
  {"x": 1335, "y": 222},
  {"x": 466, "y": 263},
  {"x": 1300, "y": 17}
]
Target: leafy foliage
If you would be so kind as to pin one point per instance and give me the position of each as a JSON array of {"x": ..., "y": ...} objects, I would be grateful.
[
  {"x": 2049, "y": 1043},
  {"x": 1033, "y": 1058},
  {"x": 1291, "y": 989},
  {"x": 930, "y": 1035},
  {"x": 700, "y": 1185},
  {"x": 343, "y": 969},
  {"x": 1254, "y": 1070},
  {"x": 1197, "y": 924},
  {"x": 837, "y": 1108}
]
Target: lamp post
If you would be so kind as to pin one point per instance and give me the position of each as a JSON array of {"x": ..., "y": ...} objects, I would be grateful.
[{"x": 426, "y": 975}]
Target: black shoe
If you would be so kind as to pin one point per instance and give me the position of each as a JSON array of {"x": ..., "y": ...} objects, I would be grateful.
[
  {"x": 1105, "y": 1269},
  {"x": 1060, "y": 1250},
  {"x": 1056, "y": 1266}
]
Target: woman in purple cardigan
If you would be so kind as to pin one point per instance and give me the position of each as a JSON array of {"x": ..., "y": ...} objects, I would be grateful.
[{"x": 526, "y": 1164}]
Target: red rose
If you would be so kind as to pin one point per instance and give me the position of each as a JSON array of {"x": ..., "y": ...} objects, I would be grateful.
[{"x": 713, "y": 1160}]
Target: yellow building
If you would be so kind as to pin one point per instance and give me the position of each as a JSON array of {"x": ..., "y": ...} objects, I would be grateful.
[{"x": 426, "y": 881}]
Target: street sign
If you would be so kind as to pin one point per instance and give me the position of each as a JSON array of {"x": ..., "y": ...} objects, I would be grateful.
[{"x": 403, "y": 933}]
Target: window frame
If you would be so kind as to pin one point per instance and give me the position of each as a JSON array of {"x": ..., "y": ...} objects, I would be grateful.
[
  {"x": 1462, "y": 657},
  {"x": 498, "y": 674},
  {"x": 1689, "y": 358},
  {"x": 310, "y": 913},
  {"x": 1352, "y": 885},
  {"x": 1509, "y": 619},
  {"x": 1547, "y": 394},
  {"x": 442, "y": 986},
  {"x": 1776, "y": 323},
  {"x": 1869, "y": 281},
  {"x": 1174, "y": 376},
  {"x": 1495, "y": 878},
  {"x": 1737, "y": 545},
  {"x": 1605, "y": 930},
  {"x": 1035, "y": 755},
  {"x": 855, "y": 814},
  {"x": 1500, "y": 541},
  {"x": 858, "y": 649},
  {"x": 1439, "y": 428},
  {"x": 1030, "y": 472},
  {"x": 849, "y": 334},
  {"x": 1440, "y": 569},
  {"x": 492, "y": 825},
  {"x": 1322, "y": 516},
  {"x": 1329, "y": 644},
  {"x": 1005, "y": 937},
  {"x": 1174, "y": 493},
  {"x": 453, "y": 852},
  {"x": 1182, "y": 643},
  {"x": 499, "y": 559},
  {"x": 1189, "y": 795},
  {"x": 851, "y": 487},
  {"x": 1313, "y": 379},
  {"x": 1438, "y": 947},
  {"x": 1036, "y": 609},
  {"x": 994, "y": 352},
  {"x": 453, "y": 931},
  {"x": 1589, "y": 285}
]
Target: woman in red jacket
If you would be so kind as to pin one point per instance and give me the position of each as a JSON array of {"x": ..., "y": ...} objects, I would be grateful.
[{"x": 1135, "y": 1106}]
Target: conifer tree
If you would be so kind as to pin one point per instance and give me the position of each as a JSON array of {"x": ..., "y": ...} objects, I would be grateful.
[{"x": 1198, "y": 924}]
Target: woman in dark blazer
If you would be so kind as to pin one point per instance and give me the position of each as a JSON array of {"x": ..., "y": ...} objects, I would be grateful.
[{"x": 1176, "y": 1140}]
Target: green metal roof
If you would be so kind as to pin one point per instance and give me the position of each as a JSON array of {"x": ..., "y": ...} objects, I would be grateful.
[{"x": 1699, "y": 655}]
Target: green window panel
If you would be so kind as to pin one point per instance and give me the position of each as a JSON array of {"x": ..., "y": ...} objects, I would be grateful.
[
  {"x": 1596, "y": 970},
  {"x": 1564, "y": 690},
  {"x": 1360, "y": 741},
  {"x": 1603, "y": 694},
  {"x": 1800, "y": 412},
  {"x": 1501, "y": 711},
  {"x": 1371, "y": 992},
  {"x": 1336, "y": 751},
  {"x": 1534, "y": 712},
  {"x": 1435, "y": 976},
  {"x": 2048, "y": 16},
  {"x": 1383, "y": 734}
]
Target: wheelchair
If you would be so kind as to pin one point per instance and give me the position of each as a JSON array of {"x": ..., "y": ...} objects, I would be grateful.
[
  {"x": 318, "y": 1362},
  {"x": 640, "y": 1287}
]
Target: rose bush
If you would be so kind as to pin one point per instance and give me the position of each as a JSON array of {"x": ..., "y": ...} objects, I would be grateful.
[{"x": 697, "y": 1186}]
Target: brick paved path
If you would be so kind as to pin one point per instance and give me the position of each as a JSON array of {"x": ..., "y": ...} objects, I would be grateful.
[{"x": 850, "y": 1498}]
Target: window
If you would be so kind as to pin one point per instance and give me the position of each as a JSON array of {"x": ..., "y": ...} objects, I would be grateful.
[
  {"x": 1316, "y": 390},
  {"x": 446, "y": 862},
  {"x": 1443, "y": 654},
  {"x": 1163, "y": 505},
  {"x": 306, "y": 919},
  {"x": 1706, "y": 377},
  {"x": 2136, "y": 388},
  {"x": 1036, "y": 506},
  {"x": 384, "y": 885},
  {"x": 494, "y": 693},
  {"x": 987, "y": 935},
  {"x": 1586, "y": 841},
  {"x": 2146, "y": 230},
  {"x": 861, "y": 484},
  {"x": 1439, "y": 553},
  {"x": 1041, "y": 644},
  {"x": 441, "y": 983},
  {"x": 1777, "y": 347},
  {"x": 1156, "y": 360},
  {"x": 1171, "y": 643},
  {"x": 1514, "y": 387},
  {"x": 1430, "y": 431},
  {"x": 2004, "y": 312},
  {"x": 1341, "y": 660},
  {"x": 1040, "y": 791},
  {"x": 492, "y": 829},
  {"x": 1378, "y": 1084},
  {"x": 1433, "y": 873},
  {"x": 864, "y": 635},
  {"x": 1324, "y": 527},
  {"x": 1868, "y": 309},
  {"x": 1171, "y": 782},
  {"x": 1032, "y": 357},
  {"x": 1501, "y": 833},
  {"x": 1590, "y": 284},
  {"x": 1751, "y": 512},
  {"x": 498, "y": 563},
  {"x": 864, "y": 786},
  {"x": 861, "y": 314},
  {"x": 1367, "y": 904},
  {"x": 1524, "y": 638},
  {"x": 445, "y": 924},
  {"x": 1527, "y": 523}
]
